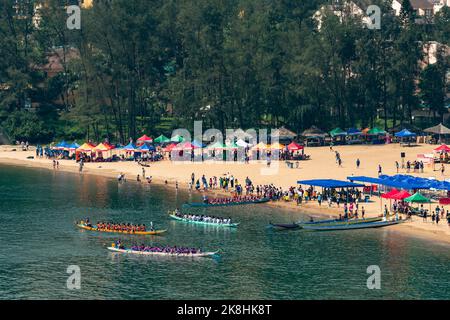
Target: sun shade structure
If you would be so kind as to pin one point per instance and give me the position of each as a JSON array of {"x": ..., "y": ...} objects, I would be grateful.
[
  {"x": 376, "y": 132},
  {"x": 337, "y": 132},
  {"x": 439, "y": 129},
  {"x": 177, "y": 138},
  {"x": 217, "y": 145},
  {"x": 353, "y": 132},
  {"x": 170, "y": 147},
  {"x": 406, "y": 182},
  {"x": 390, "y": 194},
  {"x": 313, "y": 132},
  {"x": 405, "y": 133},
  {"x": 401, "y": 195},
  {"x": 102, "y": 147},
  {"x": 74, "y": 146},
  {"x": 284, "y": 134},
  {"x": 232, "y": 145},
  {"x": 294, "y": 146},
  {"x": 242, "y": 143},
  {"x": 443, "y": 147},
  {"x": 330, "y": 183},
  {"x": 129, "y": 147},
  {"x": 146, "y": 148},
  {"x": 417, "y": 198},
  {"x": 185, "y": 146},
  {"x": 86, "y": 147},
  {"x": 162, "y": 139},
  {"x": 145, "y": 138},
  {"x": 276, "y": 146}
]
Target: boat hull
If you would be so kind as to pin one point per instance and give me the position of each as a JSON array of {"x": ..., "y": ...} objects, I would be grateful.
[
  {"x": 341, "y": 227},
  {"x": 232, "y": 225},
  {"x": 283, "y": 226},
  {"x": 338, "y": 222},
  {"x": 137, "y": 233},
  {"x": 164, "y": 254}
]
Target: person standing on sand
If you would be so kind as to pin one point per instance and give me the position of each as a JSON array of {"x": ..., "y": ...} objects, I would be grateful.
[
  {"x": 363, "y": 212},
  {"x": 442, "y": 169},
  {"x": 192, "y": 178},
  {"x": 143, "y": 173},
  {"x": 379, "y": 170},
  {"x": 358, "y": 163},
  {"x": 397, "y": 165}
]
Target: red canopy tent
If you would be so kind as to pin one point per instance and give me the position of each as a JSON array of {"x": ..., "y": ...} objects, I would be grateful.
[
  {"x": 144, "y": 139},
  {"x": 294, "y": 146},
  {"x": 401, "y": 195},
  {"x": 443, "y": 147},
  {"x": 390, "y": 194},
  {"x": 170, "y": 147},
  {"x": 185, "y": 146}
]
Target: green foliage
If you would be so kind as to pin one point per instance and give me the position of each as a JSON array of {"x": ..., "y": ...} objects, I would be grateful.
[{"x": 26, "y": 126}]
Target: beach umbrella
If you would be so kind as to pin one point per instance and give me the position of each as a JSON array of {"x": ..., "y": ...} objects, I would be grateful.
[
  {"x": 337, "y": 132},
  {"x": 443, "y": 147},
  {"x": 177, "y": 138},
  {"x": 401, "y": 195},
  {"x": 388, "y": 195},
  {"x": 417, "y": 198},
  {"x": 294, "y": 146},
  {"x": 162, "y": 139},
  {"x": 144, "y": 139},
  {"x": 276, "y": 146},
  {"x": 86, "y": 147}
]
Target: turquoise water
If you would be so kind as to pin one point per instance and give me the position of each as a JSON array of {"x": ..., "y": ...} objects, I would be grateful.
[{"x": 39, "y": 241}]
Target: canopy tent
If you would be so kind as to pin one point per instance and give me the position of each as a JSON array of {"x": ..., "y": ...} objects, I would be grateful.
[
  {"x": 217, "y": 145},
  {"x": 242, "y": 143},
  {"x": 439, "y": 129},
  {"x": 294, "y": 146},
  {"x": 353, "y": 132},
  {"x": 197, "y": 144},
  {"x": 390, "y": 194},
  {"x": 241, "y": 134},
  {"x": 177, "y": 138},
  {"x": 232, "y": 146},
  {"x": 102, "y": 147},
  {"x": 401, "y": 195},
  {"x": 337, "y": 132},
  {"x": 405, "y": 133},
  {"x": 74, "y": 146},
  {"x": 162, "y": 139},
  {"x": 365, "y": 131},
  {"x": 86, "y": 147},
  {"x": 397, "y": 181},
  {"x": 129, "y": 147},
  {"x": 145, "y": 148},
  {"x": 276, "y": 146},
  {"x": 62, "y": 145},
  {"x": 442, "y": 148},
  {"x": 330, "y": 183},
  {"x": 170, "y": 147},
  {"x": 185, "y": 146},
  {"x": 376, "y": 132},
  {"x": 144, "y": 139},
  {"x": 417, "y": 198},
  {"x": 260, "y": 146}
]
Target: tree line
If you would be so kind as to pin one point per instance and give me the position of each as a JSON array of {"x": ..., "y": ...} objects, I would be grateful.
[{"x": 149, "y": 66}]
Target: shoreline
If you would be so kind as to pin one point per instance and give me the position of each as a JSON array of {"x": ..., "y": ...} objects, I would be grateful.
[{"x": 416, "y": 228}]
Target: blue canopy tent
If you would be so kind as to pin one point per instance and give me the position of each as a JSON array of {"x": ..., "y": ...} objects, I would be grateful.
[
  {"x": 129, "y": 147},
  {"x": 146, "y": 148},
  {"x": 62, "y": 145},
  {"x": 197, "y": 144},
  {"x": 354, "y": 136},
  {"x": 354, "y": 132},
  {"x": 405, "y": 133},
  {"x": 397, "y": 181},
  {"x": 74, "y": 146},
  {"x": 330, "y": 183}
]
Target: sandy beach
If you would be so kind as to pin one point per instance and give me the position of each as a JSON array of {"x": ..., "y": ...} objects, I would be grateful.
[{"x": 321, "y": 165}]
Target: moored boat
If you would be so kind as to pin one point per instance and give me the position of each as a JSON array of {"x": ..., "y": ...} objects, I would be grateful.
[
  {"x": 167, "y": 254},
  {"x": 339, "y": 227},
  {"x": 140, "y": 233},
  {"x": 339, "y": 221},
  {"x": 229, "y": 225},
  {"x": 285, "y": 226},
  {"x": 225, "y": 204}
]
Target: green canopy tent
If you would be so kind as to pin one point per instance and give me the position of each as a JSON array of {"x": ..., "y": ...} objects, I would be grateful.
[
  {"x": 418, "y": 198},
  {"x": 177, "y": 139},
  {"x": 337, "y": 132},
  {"x": 376, "y": 132},
  {"x": 162, "y": 139}
]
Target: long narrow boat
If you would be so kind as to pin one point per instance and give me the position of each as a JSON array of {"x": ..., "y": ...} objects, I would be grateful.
[
  {"x": 339, "y": 221},
  {"x": 167, "y": 254},
  {"x": 229, "y": 225},
  {"x": 285, "y": 226},
  {"x": 367, "y": 225},
  {"x": 139, "y": 233},
  {"x": 205, "y": 205}
]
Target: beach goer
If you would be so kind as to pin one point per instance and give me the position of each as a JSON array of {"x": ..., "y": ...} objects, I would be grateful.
[
  {"x": 379, "y": 170},
  {"x": 358, "y": 163},
  {"x": 397, "y": 165},
  {"x": 442, "y": 169}
]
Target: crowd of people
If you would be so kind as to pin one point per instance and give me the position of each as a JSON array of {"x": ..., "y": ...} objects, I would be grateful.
[
  {"x": 167, "y": 249},
  {"x": 119, "y": 227},
  {"x": 202, "y": 218}
]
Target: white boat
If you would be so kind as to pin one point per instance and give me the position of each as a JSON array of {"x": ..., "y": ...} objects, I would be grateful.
[{"x": 150, "y": 253}]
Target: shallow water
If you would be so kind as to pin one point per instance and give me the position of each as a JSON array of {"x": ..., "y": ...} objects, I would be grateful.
[{"x": 38, "y": 209}]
